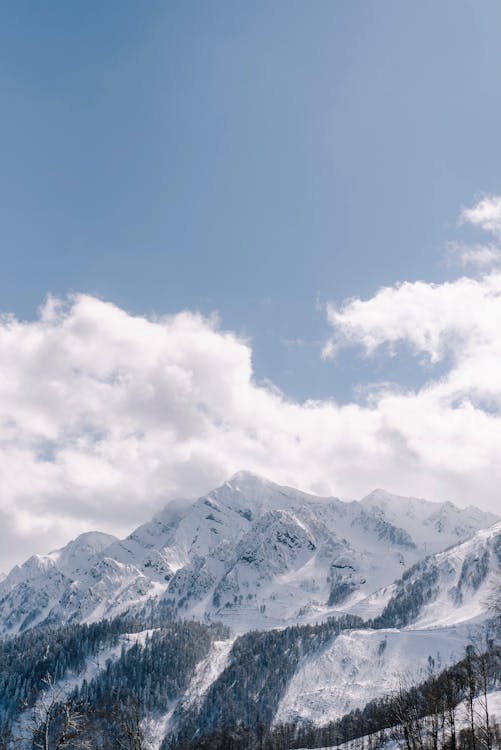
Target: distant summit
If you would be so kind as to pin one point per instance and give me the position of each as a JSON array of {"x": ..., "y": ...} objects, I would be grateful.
[{"x": 250, "y": 553}]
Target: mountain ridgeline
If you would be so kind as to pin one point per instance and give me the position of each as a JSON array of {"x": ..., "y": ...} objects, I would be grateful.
[
  {"x": 253, "y": 608},
  {"x": 250, "y": 553}
]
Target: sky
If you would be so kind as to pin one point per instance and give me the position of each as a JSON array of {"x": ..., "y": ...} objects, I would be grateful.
[{"x": 259, "y": 236}]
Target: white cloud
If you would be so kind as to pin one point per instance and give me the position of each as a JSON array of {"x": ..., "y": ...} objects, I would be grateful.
[
  {"x": 106, "y": 416},
  {"x": 486, "y": 214},
  {"x": 447, "y": 434},
  {"x": 476, "y": 256}
]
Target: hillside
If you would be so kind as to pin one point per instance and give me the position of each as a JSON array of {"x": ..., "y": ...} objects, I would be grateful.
[{"x": 325, "y": 606}]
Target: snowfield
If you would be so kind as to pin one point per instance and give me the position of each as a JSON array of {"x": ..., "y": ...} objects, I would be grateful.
[{"x": 361, "y": 665}]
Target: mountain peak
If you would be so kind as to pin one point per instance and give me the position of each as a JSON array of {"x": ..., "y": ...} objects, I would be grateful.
[
  {"x": 392, "y": 503},
  {"x": 94, "y": 541},
  {"x": 250, "y": 551},
  {"x": 381, "y": 494},
  {"x": 245, "y": 477},
  {"x": 81, "y": 549}
]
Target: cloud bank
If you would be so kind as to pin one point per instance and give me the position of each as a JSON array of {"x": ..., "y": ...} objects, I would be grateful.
[{"x": 105, "y": 416}]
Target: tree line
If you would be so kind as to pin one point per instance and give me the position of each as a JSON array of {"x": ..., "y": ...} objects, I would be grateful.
[{"x": 152, "y": 673}]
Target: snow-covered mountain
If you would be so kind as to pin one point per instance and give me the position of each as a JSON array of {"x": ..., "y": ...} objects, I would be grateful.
[
  {"x": 250, "y": 553},
  {"x": 403, "y": 581},
  {"x": 434, "y": 611},
  {"x": 361, "y": 665},
  {"x": 433, "y": 526},
  {"x": 459, "y": 585}
]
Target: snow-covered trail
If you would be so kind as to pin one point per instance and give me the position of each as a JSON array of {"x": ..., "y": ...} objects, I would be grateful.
[{"x": 207, "y": 671}]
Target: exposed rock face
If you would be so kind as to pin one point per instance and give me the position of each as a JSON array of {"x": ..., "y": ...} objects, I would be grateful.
[{"x": 251, "y": 553}]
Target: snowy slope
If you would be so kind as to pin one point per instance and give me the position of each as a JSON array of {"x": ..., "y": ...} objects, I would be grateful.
[
  {"x": 438, "y": 606},
  {"x": 433, "y": 526},
  {"x": 256, "y": 555},
  {"x": 462, "y": 722},
  {"x": 361, "y": 665},
  {"x": 260, "y": 555},
  {"x": 452, "y": 587},
  {"x": 251, "y": 553},
  {"x": 64, "y": 687},
  {"x": 78, "y": 582}
]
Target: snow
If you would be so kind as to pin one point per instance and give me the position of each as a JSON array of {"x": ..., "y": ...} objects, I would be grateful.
[
  {"x": 93, "y": 666},
  {"x": 155, "y": 728},
  {"x": 433, "y": 526},
  {"x": 462, "y": 722},
  {"x": 493, "y": 704},
  {"x": 207, "y": 672},
  {"x": 459, "y": 601},
  {"x": 360, "y": 665},
  {"x": 250, "y": 553},
  {"x": 98, "y": 663},
  {"x": 78, "y": 553},
  {"x": 255, "y": 555}
]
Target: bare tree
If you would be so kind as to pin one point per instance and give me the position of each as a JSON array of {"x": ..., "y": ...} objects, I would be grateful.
[
  {"x": 452, "y": 695},
  {"x": 471, "y": 692},
  {"x": 434, "y": 704},
  {"x": 56, "y": 723},
  {"x": 483, "y": 658},
  {"x": 9, "y": 742},
  {"x": 406, "y": 716}
]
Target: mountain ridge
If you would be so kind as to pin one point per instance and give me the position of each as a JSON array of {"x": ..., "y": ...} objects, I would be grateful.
[
  {"x": 269, "y": 597},
  {"x": 251, "y": 553}
]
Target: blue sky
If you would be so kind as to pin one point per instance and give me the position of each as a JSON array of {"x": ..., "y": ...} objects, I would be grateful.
[{"x": 254, "y": 159}]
